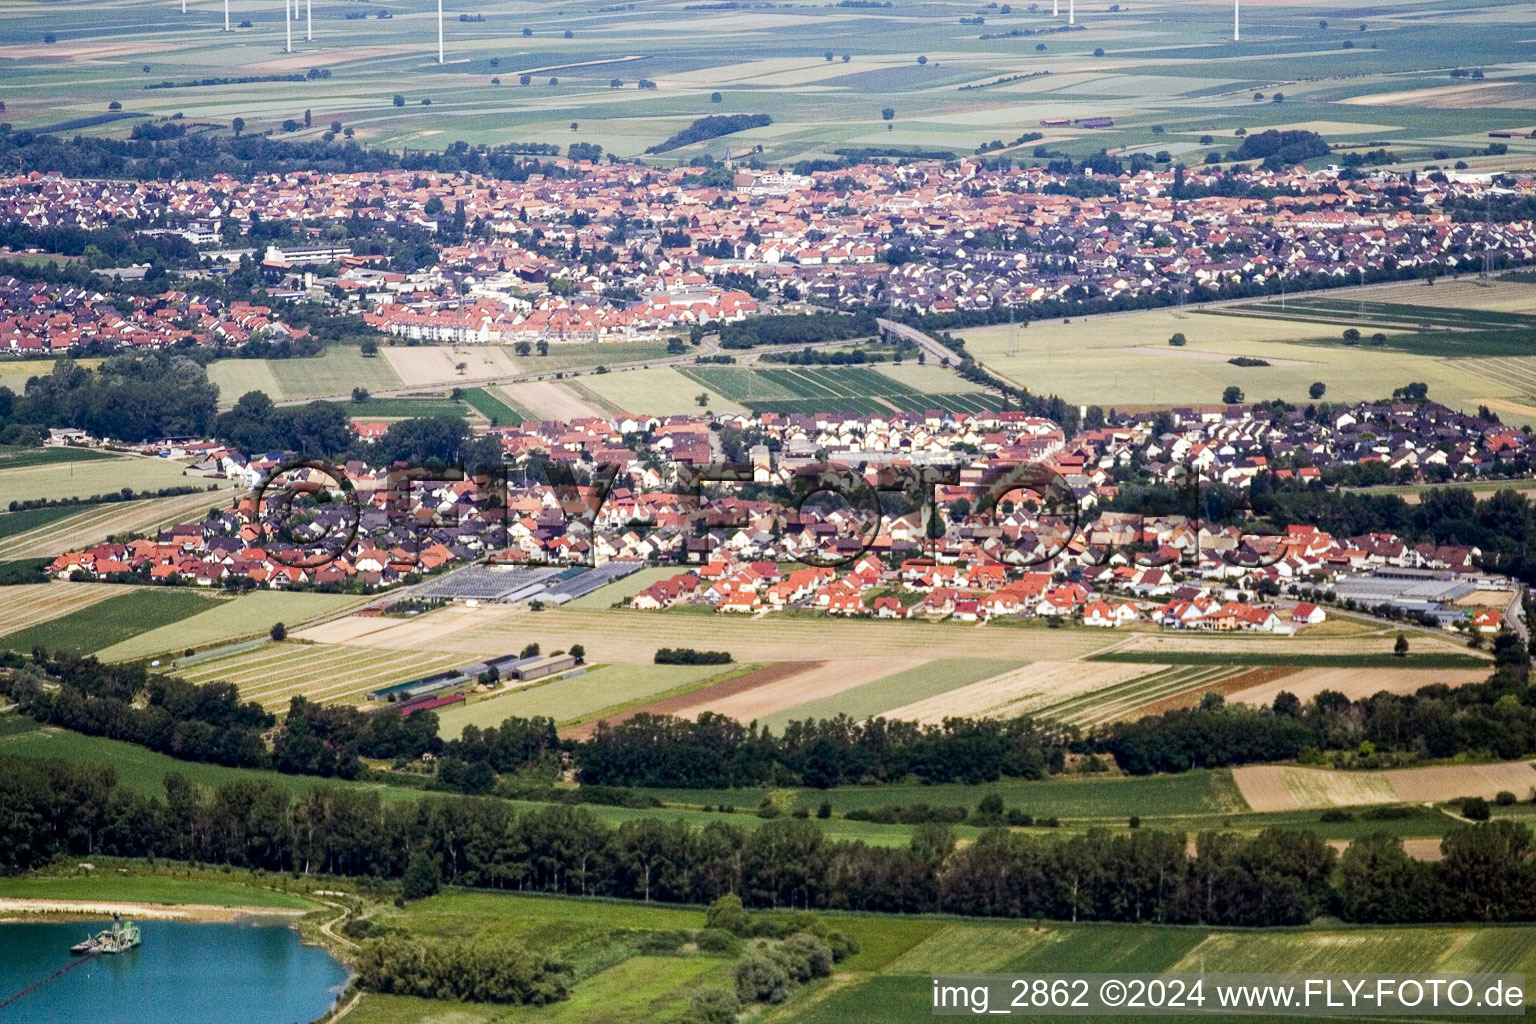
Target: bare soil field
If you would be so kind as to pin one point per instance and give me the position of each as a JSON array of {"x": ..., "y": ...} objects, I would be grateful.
[
  {"x": 1353, "y": 683},
  {"x": 438, "y": 364},
  {"x": 550, "y": 400},
  {"x": 689, "y": 705},
  {"x": 1020, "y": 691},
  {"x": 1229, "y": 687},
  {"x": 1289, "y": 788}
]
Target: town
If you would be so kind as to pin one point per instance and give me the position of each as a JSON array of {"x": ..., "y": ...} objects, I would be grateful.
[{"x": 607, "y": 252}]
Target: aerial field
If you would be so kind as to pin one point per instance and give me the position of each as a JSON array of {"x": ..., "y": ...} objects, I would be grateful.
[
  {"x": 28, "y": 605},
  {"x": 439, "y": 364},
  {"x": 1124, "y": 361},
  {"x": 811, "y": 389},
  {"x": 331, "y": 374},
  {"x": 1284, "y": 788},
  {"x": 98, "y": 476},
  {"x": 822, "y": 72},
  {"x": 579, "y": 697},
  {"x": 550, "y": 400},
  {"x": 1023, "y": 691},
  {"x": 51, "y": 531},
  {"x": 273, "y": 674},
  {"x": 250, "y": 615},
  {"x": 1355, "y": 683},
  {"x": 658, "y": 391},
  {"x": 121, "y": 612}
]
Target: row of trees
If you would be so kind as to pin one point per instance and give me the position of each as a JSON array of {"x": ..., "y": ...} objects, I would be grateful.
[
  {"x": 208, "y": 721},
  {"x": 1275, "y": 878}
]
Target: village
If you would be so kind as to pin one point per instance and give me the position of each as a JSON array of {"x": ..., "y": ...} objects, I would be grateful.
[{"x": 1006, "y": 550}]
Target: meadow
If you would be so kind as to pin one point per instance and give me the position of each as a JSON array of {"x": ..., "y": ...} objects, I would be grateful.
[
  {"x": 84, "y": 479},
  {"x": 331, "y": 374}
]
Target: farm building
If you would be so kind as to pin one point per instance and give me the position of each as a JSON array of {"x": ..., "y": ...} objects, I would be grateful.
[
  {"x": 401, "y": 692},
  {"x": 528, "y": 669}
]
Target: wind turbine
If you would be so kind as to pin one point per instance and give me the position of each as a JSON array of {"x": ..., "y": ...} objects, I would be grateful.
[
  {"x": 288, "y": 26},
  {"x": 1236, "y": 29},
  {"x": 1071, "y": 12},
  {"x": 226, "y": 15},
  {"x": 1055, "y": 8},
  {"x": 440, "y": 31},
  {"x": 309, "y": 23}
]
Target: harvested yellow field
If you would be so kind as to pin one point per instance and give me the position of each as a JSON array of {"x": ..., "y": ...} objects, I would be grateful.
[
  {"x": 400, "y": 634},
  {"x": 550, "y": 400},
  {"x": 1422, "y": 785},
  {"x": 1282, "y": 788},
  {"x": 624, "y": 636},
  {"x": 439, "y": 364},
  {"x": 1355, "y": 683},
  {"x": 1366, "y": 641},
  {"x": 1286, "y": 788},
  {"x": 1021, "y": 691},
  {"x": 30, "y": 604}
]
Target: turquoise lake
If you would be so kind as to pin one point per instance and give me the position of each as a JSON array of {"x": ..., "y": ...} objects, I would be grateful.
[{"x": 249, "y": 972}]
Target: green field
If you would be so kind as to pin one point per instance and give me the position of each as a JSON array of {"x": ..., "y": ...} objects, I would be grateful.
[
  {"x": 402, "y": 408},
  {"x": 144, "y": 771},
  {"x": 136, "y": 610},
  {"x": 17, "y": 458},
  {"x": 1124, "y": 360},
  {"x": 13, "y": 523},
  {"x": 250, "y": 615},
  {"x": 494, "y": 406},
  {"x": 811, "y": 389},
  {"x": 1189, "y": 793},
  {"x": 331, "y": 374},
  {"x": 823, "y": 73}
]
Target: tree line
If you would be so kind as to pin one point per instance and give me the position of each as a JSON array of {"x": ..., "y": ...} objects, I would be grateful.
[
  {"x": 207, "y": 721},
  {"x": 53, "y": 808}
]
